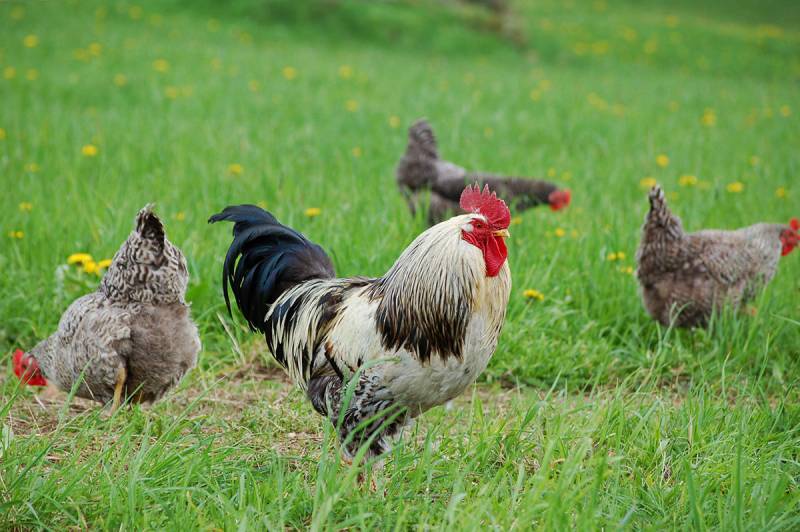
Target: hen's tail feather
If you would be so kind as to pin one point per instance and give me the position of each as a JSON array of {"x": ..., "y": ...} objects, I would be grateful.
[
  {"x": 421, "y": 140},
  {"x": 265, "y": 259}
]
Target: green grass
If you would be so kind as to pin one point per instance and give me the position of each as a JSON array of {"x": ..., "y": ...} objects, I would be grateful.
[{"x": 590, "y": 415}]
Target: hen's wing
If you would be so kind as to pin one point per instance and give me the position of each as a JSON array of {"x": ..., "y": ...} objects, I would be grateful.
[
  {"x": 90, "y": 344},
  {"x": 732, "y": 258}
]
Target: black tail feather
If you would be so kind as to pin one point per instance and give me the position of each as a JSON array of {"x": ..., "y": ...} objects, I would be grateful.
[{"x": 265, "y": 259}]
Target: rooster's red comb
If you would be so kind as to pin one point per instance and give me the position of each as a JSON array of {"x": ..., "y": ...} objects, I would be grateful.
[
  {"x": 486, "y": 203},
  {"x": 794, "y": 223}
]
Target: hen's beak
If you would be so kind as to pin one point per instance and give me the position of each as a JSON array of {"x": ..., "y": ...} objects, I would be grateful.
[{"x": 502, "y": 233}]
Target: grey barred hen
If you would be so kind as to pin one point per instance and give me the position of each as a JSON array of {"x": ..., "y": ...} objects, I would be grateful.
[
  {"x": 131, "y": 339},
  {"x": 685, "y": 277},
  {"x": 421, "y": 169},
  {"x": 412, "y": 339}
]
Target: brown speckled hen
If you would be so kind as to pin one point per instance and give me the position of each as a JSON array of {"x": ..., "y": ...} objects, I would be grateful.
[
  {"x": 421, "y": 170},
  {"x": 685, "y": 277},
  {"x": 133, "y": 337}
]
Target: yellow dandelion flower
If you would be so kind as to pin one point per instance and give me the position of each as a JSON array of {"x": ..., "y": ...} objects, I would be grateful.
[
  {"x": 311, "y": 212},
  {"x": 551, "y": 172},
  {"x": 180, "y": 216},
  {"x": 172, "y": 92},
  {"x": 26, "y": 206},
  {"x": 648, "y": 182},
  {"x": 709, "y": 118},
  {"x": 687, "y": 180},
  {"x": 754, "y": 160},
  {"x": 262, "y": 204},
  {"x": 559, "y": 232},
  {"x": 32, "y": 74},
  {"x": 545, "y": 84},
  {"x": 103, "y": 264},
  {"x": 345, "y": 72},
  {"x": 95, "y": 49},
  {"x": 16, "y": 234},
  {"x": 79, "y": 258},
  {"x": 651, "y": 47},
  {"x": 785, "y": 111},
  {"x": 516, "y": 220},
  {"x": 780, "y": 192},
  {"x": 120, "y": 80},
  {"x": 600, "y": 48},
  {"x": 9, "y": 72},
  {"x": 253, "y": 85},
  {"x": 394, "y": 122},
  {"x": 532, "y": 293},
  {"x": 536, "y": 95},
  {"x": 161, "y": 65},
  {"x": 32, "y": 168},
  {"x": 662, "y": 160},
  {"x": 289, "y": 72},
  {"x": 30, "y": 41},
  {"x": 488, "y": 132},
  {"x": 90, "y": 267},
  {"x": 89, "y": 150},
  {"x": 18, "y": 13},
  {"x": 735, "y": 187},
  {"x": 611, "y": 257},
  {"x": 620, "y": 255},
  {"x": 351, "y": 105},
  {"x": 626, "y": 269},
  {"x": 356, "y": 152},
  {"x": 2, "y": 134},
  {"x": 235, "y": 169},
  {"x": 629, "y": 34}
]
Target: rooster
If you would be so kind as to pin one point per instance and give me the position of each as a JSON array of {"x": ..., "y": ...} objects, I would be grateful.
[
  {"x": 685, "y": 277},
  {"x": 408, "y": 341},
  {"x": 421, "y": 169},
  {"x": 133, "y": 338}
]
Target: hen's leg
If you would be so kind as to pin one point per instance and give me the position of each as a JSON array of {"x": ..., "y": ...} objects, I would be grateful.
[{"x": 119, "y": 385}]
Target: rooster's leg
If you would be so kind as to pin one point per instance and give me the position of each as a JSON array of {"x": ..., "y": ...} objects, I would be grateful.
[{"x": 118, "y": 387}]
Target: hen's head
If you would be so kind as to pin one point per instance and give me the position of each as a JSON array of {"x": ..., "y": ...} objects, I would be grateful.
[
  {"x": 790, "y": 238},
  {"x": 27, "y": 369},
  {"x": 559, "y": 199},
  {"x": 486, "y": 226}
]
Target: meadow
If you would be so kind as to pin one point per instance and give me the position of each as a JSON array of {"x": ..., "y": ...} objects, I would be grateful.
[{"x": 590, "y": 415}]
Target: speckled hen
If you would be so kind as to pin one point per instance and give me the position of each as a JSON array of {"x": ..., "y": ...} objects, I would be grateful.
[
  {"x": 421, "y": 170},
  {"x": 685, "y": 277},
  {"x": 408, "y": 341},
  {"x": 133, "y": 338}
]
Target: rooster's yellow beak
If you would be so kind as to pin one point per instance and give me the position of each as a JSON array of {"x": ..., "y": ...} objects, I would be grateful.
[{"x": 502, "y": 233}]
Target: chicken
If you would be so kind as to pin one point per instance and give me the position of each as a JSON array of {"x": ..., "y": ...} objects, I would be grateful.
[
  {"x": 685, "y": 277},
  {"x": 420, "y": 169},
  {"x": 408, "y": 341},
  {"x": 133, "y": 338}
]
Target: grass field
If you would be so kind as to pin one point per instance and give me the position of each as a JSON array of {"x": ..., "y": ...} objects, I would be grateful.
[{"x": 590, "y": 415}]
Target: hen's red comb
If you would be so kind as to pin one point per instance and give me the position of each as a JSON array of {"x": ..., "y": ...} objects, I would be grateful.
[
  {"x": 559, "y": 199},
  {"x": 486, "y": 203},
  {"x": 27, "y": 369},
  {"x": 794, "y": 223}
]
